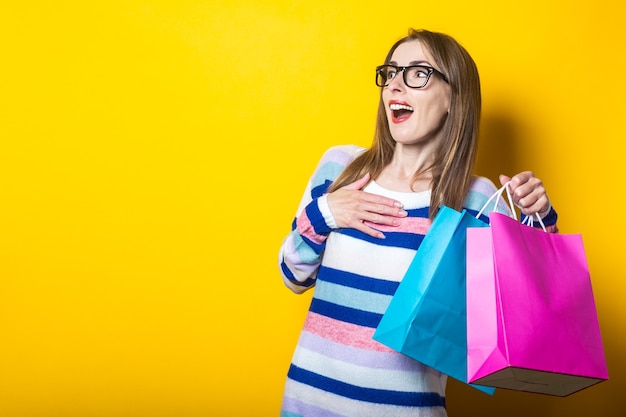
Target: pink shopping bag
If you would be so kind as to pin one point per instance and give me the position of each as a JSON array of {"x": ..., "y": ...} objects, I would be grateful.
[{"x": 531, "y": 317}]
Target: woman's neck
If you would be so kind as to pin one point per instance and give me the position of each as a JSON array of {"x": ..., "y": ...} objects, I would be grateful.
[{"x": 399, "y": 174}]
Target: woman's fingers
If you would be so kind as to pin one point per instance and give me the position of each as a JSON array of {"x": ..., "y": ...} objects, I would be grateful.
[
  {"x": 351, "y": 207},
  {"x": 528, "y": 192}
]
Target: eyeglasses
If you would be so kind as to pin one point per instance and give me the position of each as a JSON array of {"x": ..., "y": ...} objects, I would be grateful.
[{"x": 415, "y": 76}]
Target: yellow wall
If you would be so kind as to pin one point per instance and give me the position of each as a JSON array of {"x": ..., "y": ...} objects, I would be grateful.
[{"x": 152, "y": 154}]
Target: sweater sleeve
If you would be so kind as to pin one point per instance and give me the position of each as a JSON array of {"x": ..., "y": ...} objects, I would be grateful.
[{"x": 301, "y": 251}]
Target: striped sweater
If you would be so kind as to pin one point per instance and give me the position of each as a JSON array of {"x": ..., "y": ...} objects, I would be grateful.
[{"x": 337, "y": 368}]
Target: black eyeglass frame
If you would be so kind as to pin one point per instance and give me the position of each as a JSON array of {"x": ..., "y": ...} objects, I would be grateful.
[{"x": 430, "y": 71}]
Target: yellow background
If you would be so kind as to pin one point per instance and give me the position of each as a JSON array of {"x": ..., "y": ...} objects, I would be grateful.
[{"x": 152, "y": 155}]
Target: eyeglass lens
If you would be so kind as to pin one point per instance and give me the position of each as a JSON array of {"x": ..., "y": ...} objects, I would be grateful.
[{"x": 415, "y": 76}]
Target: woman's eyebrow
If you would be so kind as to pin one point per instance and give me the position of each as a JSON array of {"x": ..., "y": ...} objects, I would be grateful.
[{"x": 421, "y": 62}]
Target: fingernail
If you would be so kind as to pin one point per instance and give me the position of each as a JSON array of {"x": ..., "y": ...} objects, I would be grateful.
[
  {"x": 398, "y": 204},
  {"x": 402, "y": 213}
]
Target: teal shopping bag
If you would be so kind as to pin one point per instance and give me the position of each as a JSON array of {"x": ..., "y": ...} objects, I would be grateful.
[{"x": 427, "y": 318}]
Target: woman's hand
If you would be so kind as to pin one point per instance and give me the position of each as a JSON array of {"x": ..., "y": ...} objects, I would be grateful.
[
  {"x": 528, "y": 193},
  {"x": 352, "y": 208}
]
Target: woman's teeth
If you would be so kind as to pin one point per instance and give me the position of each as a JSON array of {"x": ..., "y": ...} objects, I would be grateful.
[{"x": 400, "y": 107}]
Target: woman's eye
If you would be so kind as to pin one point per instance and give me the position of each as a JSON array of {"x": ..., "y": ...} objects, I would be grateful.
[{"x": 419, "y": 73}]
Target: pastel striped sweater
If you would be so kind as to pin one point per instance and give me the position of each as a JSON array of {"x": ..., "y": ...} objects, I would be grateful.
[{"x": 337, "y": 368}]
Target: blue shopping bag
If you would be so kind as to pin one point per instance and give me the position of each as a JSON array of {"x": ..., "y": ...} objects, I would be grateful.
[{"x": 427, "y": 318}]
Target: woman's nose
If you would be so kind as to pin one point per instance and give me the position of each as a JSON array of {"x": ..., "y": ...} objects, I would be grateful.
[{"x": 397, "y": 83}]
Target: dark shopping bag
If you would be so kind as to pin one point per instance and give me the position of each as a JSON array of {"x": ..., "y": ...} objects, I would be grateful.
[
  {"x": 531, "y": 318},
  {"x": 426, "y": 318}
]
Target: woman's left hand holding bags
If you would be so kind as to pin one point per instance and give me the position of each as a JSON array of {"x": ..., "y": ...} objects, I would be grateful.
[{"x": 528, "y": 193}]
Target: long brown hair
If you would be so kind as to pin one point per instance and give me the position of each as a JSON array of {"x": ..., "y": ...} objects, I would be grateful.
[{"x": 455, "y": 156}]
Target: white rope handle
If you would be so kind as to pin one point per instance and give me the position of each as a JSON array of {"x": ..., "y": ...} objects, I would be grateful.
[
  {"x": 528, "y": 221},
  {"x": 497, "y": 195}
]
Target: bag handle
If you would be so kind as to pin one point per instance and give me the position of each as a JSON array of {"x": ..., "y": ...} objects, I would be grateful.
[
  {"x": 528, "y": 221},
  {"x": 498, "y": 195}
]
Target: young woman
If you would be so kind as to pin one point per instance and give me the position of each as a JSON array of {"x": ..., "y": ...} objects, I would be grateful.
[{"x": 361, "y": 220}]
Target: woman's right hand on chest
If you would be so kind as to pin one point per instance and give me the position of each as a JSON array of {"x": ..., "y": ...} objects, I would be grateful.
[{"x": 354, "y": 208}]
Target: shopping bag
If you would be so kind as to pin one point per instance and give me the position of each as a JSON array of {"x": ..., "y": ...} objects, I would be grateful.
[
  {"x": 426, "y": 318},
  {"x": 531, "y": 317}
]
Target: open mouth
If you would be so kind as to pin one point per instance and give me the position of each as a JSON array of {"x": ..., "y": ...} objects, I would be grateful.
[{"x": 400, "y": 112}]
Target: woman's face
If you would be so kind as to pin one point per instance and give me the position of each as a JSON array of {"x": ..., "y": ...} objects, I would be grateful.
[{"x": 415, "y": 115}]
